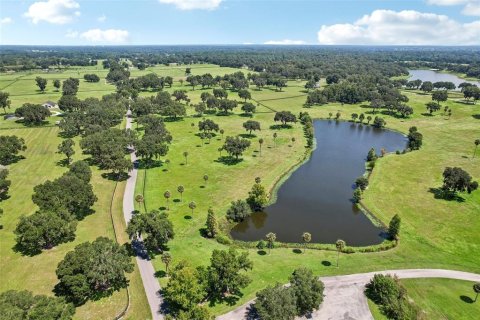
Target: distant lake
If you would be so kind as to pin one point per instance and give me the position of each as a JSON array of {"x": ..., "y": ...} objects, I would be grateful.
[
  {"x": 434, "y": 76},
  {"x": 316, "y": 198}
]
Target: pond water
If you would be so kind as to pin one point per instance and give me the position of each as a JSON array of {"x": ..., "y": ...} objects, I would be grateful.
[
  {"x": 434, "y": 76},
  {"x": 316, "y": 198}
]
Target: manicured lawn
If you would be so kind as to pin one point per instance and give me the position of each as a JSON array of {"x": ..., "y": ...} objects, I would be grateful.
[
  {"x": 435, "y": 233},
  {"x": 439, "y": 299}
]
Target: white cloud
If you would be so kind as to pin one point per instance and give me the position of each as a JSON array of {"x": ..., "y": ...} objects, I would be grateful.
[
  {"x": 109, "y": 35},
  {"x": 285, "y": 42},
  {"x": 471, "y": 8},
  {"x": 406, "y": 27},
  {"x": 6, "y": 20},
  {"x": 71, "y": 34},
  {"x": 53, "y": 11},
  {"x": 102, "y": 18},
  {"x": 193, "y": 4}
]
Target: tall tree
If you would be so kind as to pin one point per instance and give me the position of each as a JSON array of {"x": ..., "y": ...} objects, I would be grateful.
[
  {"x": 251, "y": 125},
  {"x": 167, "y": 196},
  {"x": 41, "y": 83},
  {"x": 308, "y": 291},
  {"x": 181, "y": 190},
  {"x": 212, "y": 224},
  {"x": 166, "y": 259},
  {"x": 270, "y": 237},
  {"x": 276, "y": 303},
  {"x": 235, "y": 146},
  {"x": 260, "y": 142},
  {"x": 66, "y": 148},
  {"x": 476, "y": 142},
  {"x": 394, "y": 227},
  {"x": 306, "y": 238},
  {"x": 10, "y": 146},
  {"x": 4, "y": 101},
  {"x": 192, "y": 205},
  {"x": 154, "y": 228}
]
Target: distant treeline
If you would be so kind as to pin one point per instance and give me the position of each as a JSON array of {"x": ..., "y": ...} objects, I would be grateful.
[{"x": 291, "y": 62}]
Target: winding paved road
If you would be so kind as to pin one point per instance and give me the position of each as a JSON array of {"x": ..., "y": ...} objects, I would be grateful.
[
  {"x": 344, "y": 298},
  {"x": 147, "y": 272}
]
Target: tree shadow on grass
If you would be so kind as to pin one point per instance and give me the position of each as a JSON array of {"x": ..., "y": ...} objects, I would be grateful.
[
  {"x": 230, "y": 300},
  {"x": 176, "y": 200},
  {"x": 228, "y": 160},
  {"x": 261, "y": 252},
  {"x": 247, "y": 135},
  {"x": 24, "y": 251},
  {"x": 466, "y": 299},
  {"x": 113, "y": 176},
  {"x": 160, "y": 274},
  {"x": 187, "y": 217},
  {"x": 326, "y": 263},
  {"x": 147, "y": 164},
  {"x": 476, "y": 116},
  {"x": 63, "y": 163},
  {"x": 439, "y": 193},
  {"x": 280, "y": 126},
  {"x": 297, "y": 251}
]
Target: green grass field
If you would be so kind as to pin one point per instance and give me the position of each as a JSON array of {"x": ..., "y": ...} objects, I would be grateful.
[
  {"x": 442, "y": 299},
  {"x": 435, "y": 233}
]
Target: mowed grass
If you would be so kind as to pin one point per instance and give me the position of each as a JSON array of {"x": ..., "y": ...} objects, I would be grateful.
[
  {"x": 435, "y": 232},
  {"x": 442, "y": 299}
]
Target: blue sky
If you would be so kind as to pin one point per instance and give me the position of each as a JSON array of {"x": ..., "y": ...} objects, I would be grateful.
[{"x": 77, "y": 22}]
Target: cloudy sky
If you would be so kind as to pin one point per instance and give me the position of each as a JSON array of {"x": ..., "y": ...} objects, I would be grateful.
[{"x": 288, "y": 22}]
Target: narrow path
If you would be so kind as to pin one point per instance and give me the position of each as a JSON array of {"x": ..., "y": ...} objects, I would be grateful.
[
  {"x": 147, "y": 272},
  {"x": 344, "y": 297}
]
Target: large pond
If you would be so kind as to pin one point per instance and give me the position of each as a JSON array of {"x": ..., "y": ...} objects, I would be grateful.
[
  {"x": 434, "y": 76},
  {"x": 316, "y": 198}
]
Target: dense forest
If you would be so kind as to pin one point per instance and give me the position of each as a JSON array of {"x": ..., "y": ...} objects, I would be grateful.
[{"x": 290, "y": 62}]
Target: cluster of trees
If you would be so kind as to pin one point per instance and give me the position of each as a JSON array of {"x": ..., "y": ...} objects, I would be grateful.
[
  {"x": 301, "y": 298},
  {"x": 285, "y": 117},
  {"x": 32, "y": 114},
  {"x": 23, "y": 305},
  {"x": 92, "y": 270},
  {"x": 153, "y": 227},
  {"x": 428, "y": 86},
  {"x": 387, "y": 292},
  {"x": 91, "y": 77},
  {"x": 61, "y": 202},
  {"x": 188, "y": 287},
  {"x": 470, "y": 91},
  {"x": 308, "y": 130},
  {"x": 10, "y": 146},
  {"x": 256, "y": 201}
]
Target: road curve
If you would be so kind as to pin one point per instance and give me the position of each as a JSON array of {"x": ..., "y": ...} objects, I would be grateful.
[
  {"x": 344, "y": 298},
  {"x": 147, "y": 272}
]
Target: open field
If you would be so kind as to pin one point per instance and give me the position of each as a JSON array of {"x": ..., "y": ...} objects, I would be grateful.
[
  {"x": 439, "y": 299},
  {"x": 435, "y": 233}
]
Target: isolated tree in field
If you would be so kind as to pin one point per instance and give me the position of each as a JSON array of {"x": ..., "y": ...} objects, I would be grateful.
[
  {"x": 70, "y": 87},
  {"x": 354, "y": 117},
  {"x": 235, "y": 146},
  {"x": 212, "y": 225},
  {"x": 41, "y": 83},
  {"x": 394, "y": 227},
  {"x": 222, "y": 132},
  {"x": 440, "y": 96},
  {"x": 168, "y": 80},
  {"x": 205, "y": 178},
  {"x": 361, "y": 117},
  {"x": 306, "y": 238},
  {"x": 308, "y": 290},
  {"x": 415, "y": 139},
  {"x": 10, "y": 146},
  {"x": 44, "y": 230},
  {"x": 4, "y": 184},
  {"x": 192, "y": 205},
  {"x": 476, "y": 142},
  {"x": 276, "y": 303},
  {"x": 200, "y": 108},
  {"x": 57, "y": 84},
  {"x": 167, "y": 196},
  {"x": 32, "y": 113},
  {"x": 270, "y": 237},
  {"x": 166, "y": 259},
  {"x": 154, "y": 228},
  {"x": 93, "y": 268},
  {"x": 66, "y": 148},
  {"x": 476, "y": 289},
  {"x": 225, "y": 275},
  {"x": 251, "y": 125},
  {"x": 139, "y": 199},
  {"x": 337, "y": 115},
  {"x": 207, "y": 125},
  {"x": 239, "y": 210},
  {"x": 432, "y": 107},
  {"x": 248, "y": 108},
  {"x": 185, "y": 155},
  {"x": 330, "y": 115},
  {"x": 275, "y": 135},
  {"x": 458, "y": 180},
  {"x": 4, "y": 101},
  {"x": 181, "y": 190},
  {"x": 340, "y": 245},
  {"x": 23, "y": 305},
  {"x": 369, "y": 118},
  {"x": 260, "y": 142},
  {"x": 244, "y": 94},
  {"x": 285, "y": 117}
]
